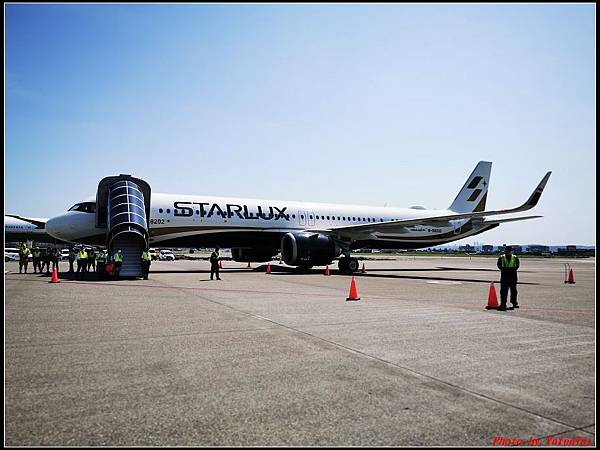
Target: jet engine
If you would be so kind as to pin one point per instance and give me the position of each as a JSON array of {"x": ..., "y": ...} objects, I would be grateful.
[
  {"x": 241, "y": 254},
  {"x": 308, "y": 249}
]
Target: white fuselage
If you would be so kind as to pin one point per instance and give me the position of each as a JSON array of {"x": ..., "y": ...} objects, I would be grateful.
[{"x": 181, "y": 217}]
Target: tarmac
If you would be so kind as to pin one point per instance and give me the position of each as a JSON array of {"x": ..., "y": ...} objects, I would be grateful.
[{"x": 282, "y": 359}]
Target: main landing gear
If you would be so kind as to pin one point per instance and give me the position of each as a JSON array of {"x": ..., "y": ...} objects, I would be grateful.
[{"x": 348, "y": 264}]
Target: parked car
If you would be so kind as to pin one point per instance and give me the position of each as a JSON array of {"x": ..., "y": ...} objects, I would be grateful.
[
  {"x": 153, "y": 254},
  {"x": 166, "y": 255},
  {"x": 64, "y": 254},
  {"x": 10, "y": 256}
]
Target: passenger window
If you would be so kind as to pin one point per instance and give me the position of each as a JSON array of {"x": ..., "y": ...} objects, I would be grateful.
[{"x": 160, "y": 210}]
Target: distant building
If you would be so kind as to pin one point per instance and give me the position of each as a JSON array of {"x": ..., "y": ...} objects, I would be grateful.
[
  {"x": 571, "y": 248},
  {"x": 487, "y": 248},
  {"x": 466, "y": 248},
  {"x": 538, "y": 248}
]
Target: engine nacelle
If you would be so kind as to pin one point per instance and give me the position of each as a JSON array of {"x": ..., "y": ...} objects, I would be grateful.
[
  {"x": 253, "y": 254},
  {"x": 308, "y": 249}
]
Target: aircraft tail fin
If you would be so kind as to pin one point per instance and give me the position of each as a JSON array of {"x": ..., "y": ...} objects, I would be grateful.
[{"x": 472, "y": 196}]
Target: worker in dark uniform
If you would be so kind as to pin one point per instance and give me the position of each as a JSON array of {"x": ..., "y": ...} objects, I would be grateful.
[
  {"x": 214, "y": 263},
  {"x": 23, "y": 257},
  {"x": 101, "y": 263},
  {"x": 508, "y": 265},
  {"x": 72, "y": 258},
  {"x": 46, "y": 258},
  {"x": 91, "y": 260},
  {"x": 37, "y": 254},
  {"x": 55, "y": 257},
  {"x": 146, "y": 261},
  {"x": 43, "y": 258}
]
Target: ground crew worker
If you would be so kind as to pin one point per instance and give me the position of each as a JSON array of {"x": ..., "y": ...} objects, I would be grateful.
[
  {"x": 100, "y": 263},
  {"x": 72, "y": 257},
  {"x": 37, "y": 254},
  {"x": 214, "y": 263},
  {"x": 23, "y": 257},
  {"x": 54, "y": 257},
  {"x": 146, "y": 261},
  {"x": 118, "y": 260},
  {"x": 81, "y": 263},
  {"x": 91, "y": 259},
  {"x": 46, "y": 258},
  {"x": 508, "y": 265}
]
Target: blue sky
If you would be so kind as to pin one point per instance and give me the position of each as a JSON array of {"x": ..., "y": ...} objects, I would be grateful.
[{"x": 362, "y": 104}]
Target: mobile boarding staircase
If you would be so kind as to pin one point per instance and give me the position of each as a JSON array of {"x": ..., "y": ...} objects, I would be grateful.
[{"x": 122, "y": 207}]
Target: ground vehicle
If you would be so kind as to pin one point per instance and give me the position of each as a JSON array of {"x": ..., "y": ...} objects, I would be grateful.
[
  {"x": 64, "y": 254},
  {"x": 10, "y": 256},
  {"x": 153, "y": 254},
  {"x": 166, "y": 255}
]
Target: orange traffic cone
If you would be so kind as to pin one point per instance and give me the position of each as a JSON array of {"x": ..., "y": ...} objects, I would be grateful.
[
  {"x": 571, "y": 279},
  {"x": 54, "y": 277},
  {"x": 492, "y": 298},
  {"x": 268, "y": 267},
  {"x": 249, "y": 267},
  {"x": 363, "y": 270},
  {"x": 353, "y": 291},
  {"x": 327, "y": 272}
]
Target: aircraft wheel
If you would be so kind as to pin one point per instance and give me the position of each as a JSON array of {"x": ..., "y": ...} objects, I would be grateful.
[{"x": 353, "y": 265}]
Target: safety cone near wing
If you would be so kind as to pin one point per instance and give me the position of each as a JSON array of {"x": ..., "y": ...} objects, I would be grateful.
[
  {"x": 492, "y": 298},
  {"x": 363, "y": 270},
  {"x": 327, "y": 272},
  {"x": 54, "y": 276},
  {"x": 571, "y": 279},
  {"x": 249, "y": 266},
  {"x": 268, "y": 267},
  {"x": 353, "y": 291}
]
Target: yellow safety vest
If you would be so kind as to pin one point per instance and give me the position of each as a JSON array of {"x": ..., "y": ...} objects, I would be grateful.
[
  {"x": 146, "y": 256},
  {"x": 509, "y": 263},
  {"x": 118, "y": 257},
  {"x": 83, "y": 254}
]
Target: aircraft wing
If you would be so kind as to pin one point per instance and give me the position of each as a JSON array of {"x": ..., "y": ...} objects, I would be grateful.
[
  {"x": 37, "y": 223},
  {"x": 396, "y": 225}
]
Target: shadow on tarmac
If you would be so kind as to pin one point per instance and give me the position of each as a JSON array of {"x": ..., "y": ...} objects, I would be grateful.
[{"x": 286, "y": 270}]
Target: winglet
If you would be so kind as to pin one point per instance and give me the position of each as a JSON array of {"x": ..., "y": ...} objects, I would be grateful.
[{"x": 534, "y": 198}]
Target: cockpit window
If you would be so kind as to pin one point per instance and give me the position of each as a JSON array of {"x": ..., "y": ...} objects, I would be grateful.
[{"x": 88, "y": 207}]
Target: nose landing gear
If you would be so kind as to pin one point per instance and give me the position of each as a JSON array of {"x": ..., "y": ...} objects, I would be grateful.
[{"x": 348, "y": 264}]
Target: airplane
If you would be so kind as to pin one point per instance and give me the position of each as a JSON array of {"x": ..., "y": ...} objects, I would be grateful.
[
  {"x": 20, "y": 229},
  {"x": 306, "y": 234}
]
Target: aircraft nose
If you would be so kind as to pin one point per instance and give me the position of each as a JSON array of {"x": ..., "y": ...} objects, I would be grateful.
[{"x": 57, "y": 227}]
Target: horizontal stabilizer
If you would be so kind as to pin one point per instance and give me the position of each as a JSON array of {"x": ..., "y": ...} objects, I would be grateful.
[{"x": 514, "y": 219}]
